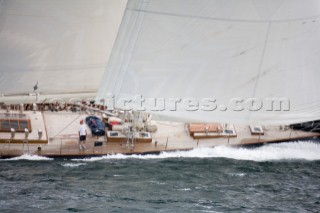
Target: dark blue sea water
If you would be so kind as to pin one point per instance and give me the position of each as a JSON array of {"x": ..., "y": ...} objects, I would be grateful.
[{"x": 273, "y": 178}]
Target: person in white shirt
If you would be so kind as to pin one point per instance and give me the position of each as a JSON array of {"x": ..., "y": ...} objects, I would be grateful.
[{"x": 82, "y": 135}]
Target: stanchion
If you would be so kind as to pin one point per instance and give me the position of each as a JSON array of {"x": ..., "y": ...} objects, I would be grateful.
[
  {"x": 167, "y": 143},
  {"x": 60, "y": 146}
]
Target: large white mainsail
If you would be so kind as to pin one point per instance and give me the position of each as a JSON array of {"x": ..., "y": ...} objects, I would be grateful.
[
  {"x": 250, "y": 50},
  {"x": 64, "y": 45}
]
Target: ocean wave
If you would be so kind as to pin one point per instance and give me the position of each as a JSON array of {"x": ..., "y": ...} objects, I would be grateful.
[
  {"x": 238, "y": 174},
  {"x": 300, "y": 150},
  {"x": 29, "y": 157},
  {"x": 72, "y": 165}
]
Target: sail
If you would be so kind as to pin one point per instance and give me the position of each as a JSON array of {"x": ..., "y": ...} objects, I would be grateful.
[
  {"x": 237, "y": 61},
  {"x": 62, "y": 45}
]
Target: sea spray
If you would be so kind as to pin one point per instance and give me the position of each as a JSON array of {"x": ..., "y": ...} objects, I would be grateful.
[
  {"x": 29, "y": 158},
  {"x": 300, "y": 150}
]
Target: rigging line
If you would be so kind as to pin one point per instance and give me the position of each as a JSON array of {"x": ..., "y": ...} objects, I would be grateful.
[
  {"x": 262, "y": 59},
  {"x": 226, "y": 19},
  {"x": 260, "y": 66}
]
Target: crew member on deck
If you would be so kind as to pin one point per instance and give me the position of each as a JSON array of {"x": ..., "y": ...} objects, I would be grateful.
[{"x": 82, "y": 135}]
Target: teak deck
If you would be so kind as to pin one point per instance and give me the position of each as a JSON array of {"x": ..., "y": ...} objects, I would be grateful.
[{"x": 60, "y": 138}]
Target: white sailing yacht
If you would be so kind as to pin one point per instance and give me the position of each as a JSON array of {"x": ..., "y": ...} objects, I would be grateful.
[{"x": 247, "y": 62}]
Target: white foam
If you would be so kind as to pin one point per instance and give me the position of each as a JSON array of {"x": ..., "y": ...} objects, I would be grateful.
[
  {"x": 238, "y": 174},
  {"x": 115, "y": 156},
  {"x": 305, "y": 150},
  {"x": 184, "y": 189},
  {"x": 29, "y": 157},
  {"x": 72, "y": 165},
  {"x": 281, "y": 151}
]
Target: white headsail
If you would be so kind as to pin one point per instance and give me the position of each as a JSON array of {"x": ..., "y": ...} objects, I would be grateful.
[
  {"x": 218, "y": 60},
  {"x": 64, "y": 45}
]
